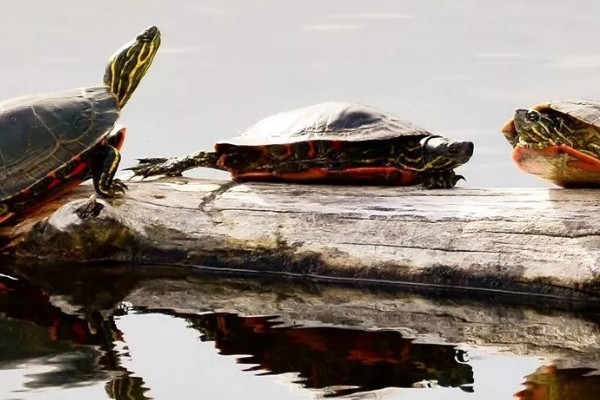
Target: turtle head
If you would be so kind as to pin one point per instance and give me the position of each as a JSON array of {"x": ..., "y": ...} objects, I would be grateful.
[
  {"x": 440, "y": 153},
  {"x": 129, "y": 64},
  {"x": 530, "y": 128}
]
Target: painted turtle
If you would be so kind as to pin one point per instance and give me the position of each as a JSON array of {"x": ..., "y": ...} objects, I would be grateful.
[
  {"x": 558, "y": 141},
  {"x": 332, "y": 142},
  {"x": 52, "y": 142}
]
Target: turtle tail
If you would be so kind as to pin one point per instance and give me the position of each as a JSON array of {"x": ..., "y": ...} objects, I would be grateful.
[
  {"x": 175, "y": 166},
  {"x": 129, "y": 64}
]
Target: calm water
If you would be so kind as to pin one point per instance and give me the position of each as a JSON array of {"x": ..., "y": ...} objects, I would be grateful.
[
  {"x": 456, "y": 67},
  {"x": 133, "y": 333}
]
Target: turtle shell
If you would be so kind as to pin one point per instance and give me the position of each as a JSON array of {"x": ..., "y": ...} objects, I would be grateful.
[
  {"x": 328, "y": 142},
  {"x": 41, "y": 134},
  {"x": 587, "y": 111},
  {"x": 331, "y": 121}
]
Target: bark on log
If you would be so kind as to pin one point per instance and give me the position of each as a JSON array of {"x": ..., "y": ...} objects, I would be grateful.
[{"x": 538, "y": 241}]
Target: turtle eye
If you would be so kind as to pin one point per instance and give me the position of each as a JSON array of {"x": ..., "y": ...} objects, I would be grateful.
[{"x": 532, "y": 116}]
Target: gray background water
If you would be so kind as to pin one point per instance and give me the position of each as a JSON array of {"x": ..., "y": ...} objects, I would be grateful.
[{"x": 455, "y": 67}]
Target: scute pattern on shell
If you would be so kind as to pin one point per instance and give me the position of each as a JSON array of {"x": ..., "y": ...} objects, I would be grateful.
[
  {"x": 587, "y": 111},
  {"x": 40, "y": 134},
  {"x": 326, "y": 121}
]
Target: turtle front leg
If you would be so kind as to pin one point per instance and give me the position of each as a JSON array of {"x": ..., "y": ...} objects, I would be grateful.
[
  {"x": 441, "y": 179},
  {"x": 105, "y": 163},
  {"x": 175, "y": 166}
]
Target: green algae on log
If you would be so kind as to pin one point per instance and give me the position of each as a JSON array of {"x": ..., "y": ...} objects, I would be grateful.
[{"x": 538, "y": 241}]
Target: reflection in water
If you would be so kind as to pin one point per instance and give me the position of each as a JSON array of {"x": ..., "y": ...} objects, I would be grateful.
[
  {"x": 61, "y": 333},
  {"x": 344, "y": 361},
  {"x": 349, "y": 360},
  {"x": 78, "y": 349}
]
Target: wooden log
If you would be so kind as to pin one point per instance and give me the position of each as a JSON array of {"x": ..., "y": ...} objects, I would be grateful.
[{"x": 537, "y": 241}]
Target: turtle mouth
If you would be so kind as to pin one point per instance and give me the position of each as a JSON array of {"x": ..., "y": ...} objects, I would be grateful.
[
  {"x": 509, "y": 130},
  {"x": 462, "y": 151},
  {"x": 459, "y": 153}
]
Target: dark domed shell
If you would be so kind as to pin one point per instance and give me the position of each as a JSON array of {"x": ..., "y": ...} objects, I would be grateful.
[
  {"x": 587, "y": 111},
  {"x": 326, "y": 121},
  {"x": 39, "y": 134}
]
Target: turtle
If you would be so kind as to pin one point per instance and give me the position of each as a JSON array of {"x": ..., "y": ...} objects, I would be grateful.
[
  {"x": 332, "y": 142},
  {"x": 558, "y": 141},
  {"x": 50, "y": 143}
]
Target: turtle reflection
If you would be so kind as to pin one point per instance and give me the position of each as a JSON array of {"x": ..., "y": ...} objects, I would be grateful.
[
  {"x": 349, "y": 360},
  {"x": 81, "y": 349},
  {"x": 338, "y": 361}
]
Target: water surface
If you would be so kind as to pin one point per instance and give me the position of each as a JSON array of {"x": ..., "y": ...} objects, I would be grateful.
[{"x": 140, "y": 333}]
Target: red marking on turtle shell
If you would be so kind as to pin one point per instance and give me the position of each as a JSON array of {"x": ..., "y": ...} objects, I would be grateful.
[
  {"x": 390, "y": 175},
  {"x": 288, "y": 151},
  {"x": 563, "y": 165},
  {"x": 6, "y": 217},
  {"x": 336, "y": 145},
  {"x": 122, "y": 134},
  {"x": 55, "y": 182},
  {"x": 539, "y": 161},
  {"x": 311, "y": 150},
  {"x": 365, "y": 175},
  {"x": 221, "y": 161},
  {"x": 583, "y": 161},
  {"x": 526, "y": 159},
  {"x": 264, "y": 149},
  {"x": 79, "y": 169}
]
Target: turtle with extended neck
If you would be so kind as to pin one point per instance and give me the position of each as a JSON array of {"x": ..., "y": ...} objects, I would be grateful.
[
  {"x": 333, "y": 142},
  {"x": 52, "y": 142}
]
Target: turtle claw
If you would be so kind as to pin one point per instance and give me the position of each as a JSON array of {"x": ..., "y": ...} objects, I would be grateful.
[
  {"x": 117, "y": 189},
  {"x": 152, "y": 160},
  {"x": 142, "y": 169},
  {"x": 119, "y": 186},
  {"x": 441, "y": 180},
  {"x": 156, "y": 166}
]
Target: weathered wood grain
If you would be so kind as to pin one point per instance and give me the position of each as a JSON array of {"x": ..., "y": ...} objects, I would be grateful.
[{"x": 544, "y": 241}]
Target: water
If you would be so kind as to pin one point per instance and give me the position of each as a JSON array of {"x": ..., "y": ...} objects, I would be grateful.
[
  {"x": 97, "y": 332},
  {"x": 457, "y": 67}
]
